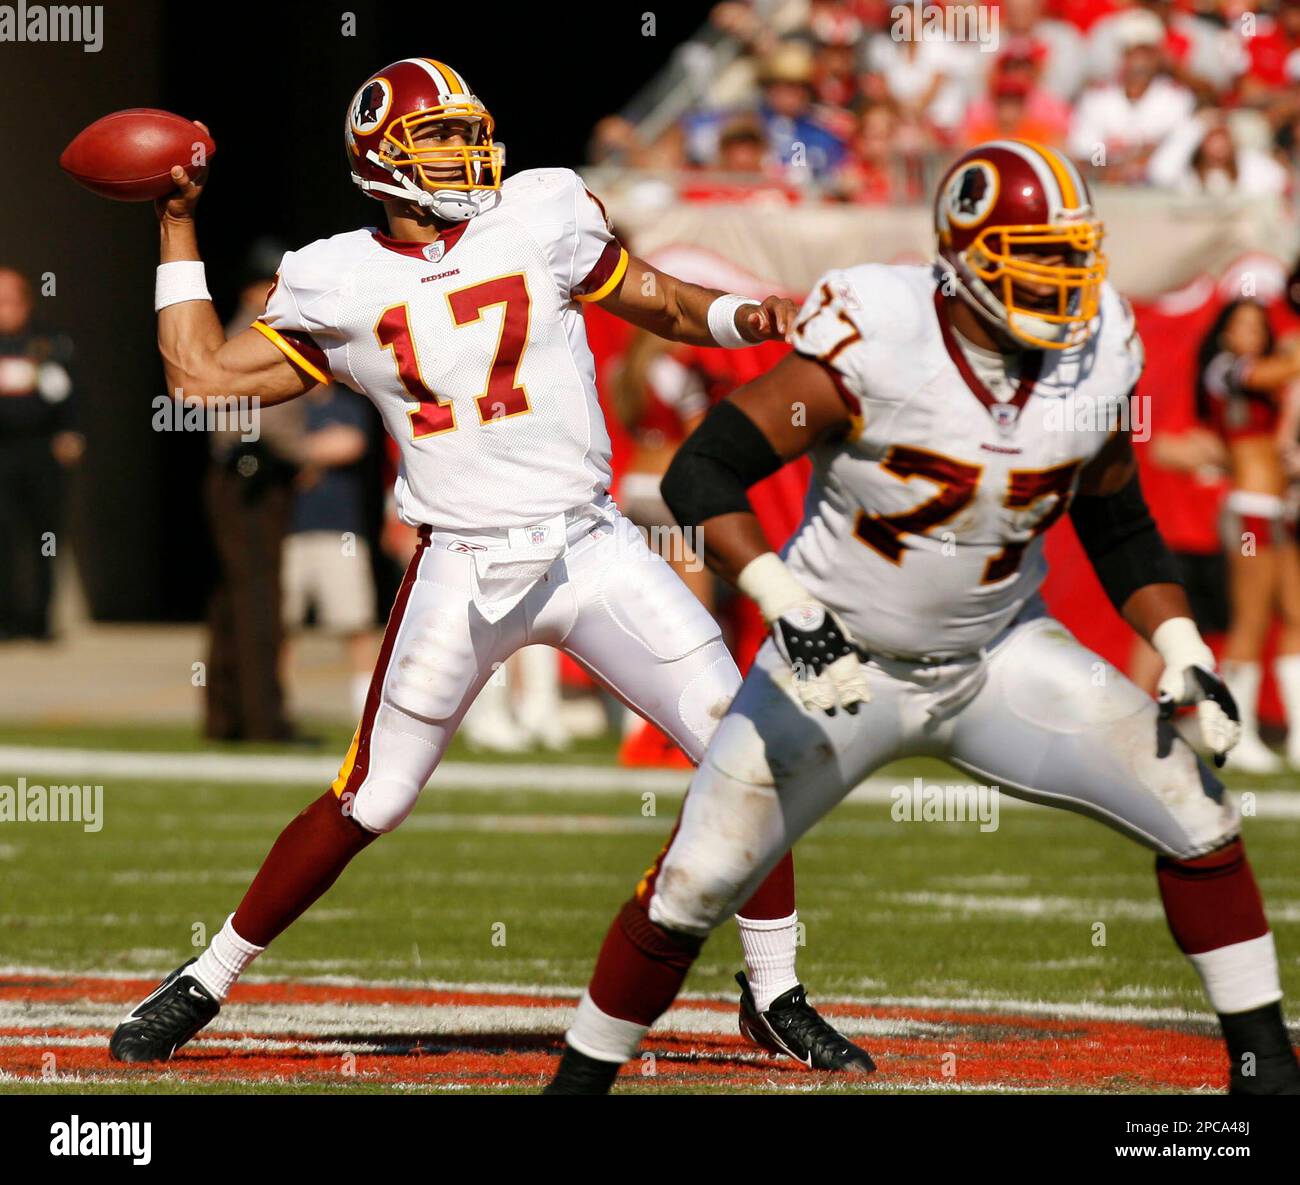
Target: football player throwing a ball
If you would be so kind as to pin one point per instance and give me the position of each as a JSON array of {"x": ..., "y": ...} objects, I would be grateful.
[{"x": 462, "y": 323}]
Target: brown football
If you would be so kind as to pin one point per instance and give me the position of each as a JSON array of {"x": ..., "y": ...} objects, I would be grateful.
[{"x": 129, "y": 155}]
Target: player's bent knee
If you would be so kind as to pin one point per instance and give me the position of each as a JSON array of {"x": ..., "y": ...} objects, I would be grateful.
[
  {"x": 728, "y": 830},
  {"x": 383, "y": 804},
  {"x": 689, "y": 902},
  {"x": 707, "y": 695}
]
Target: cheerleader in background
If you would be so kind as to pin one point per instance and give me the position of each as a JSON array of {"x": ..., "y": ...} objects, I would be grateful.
[{"x": 1242, "y": 376}]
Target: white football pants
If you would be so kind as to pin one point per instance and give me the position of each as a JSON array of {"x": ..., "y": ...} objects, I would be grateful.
[
  {"x": 1043, "y": 719},
  {"x": 610, "y": 602}
]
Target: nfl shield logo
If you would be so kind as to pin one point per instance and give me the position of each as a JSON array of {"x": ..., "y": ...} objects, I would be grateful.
[
  {"x": 537, "y": 535},
  {"x": 1004, "y": 416},
  {"x": 433, "y": 252}
]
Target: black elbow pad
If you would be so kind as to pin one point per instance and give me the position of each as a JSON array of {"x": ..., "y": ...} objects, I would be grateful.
[
  {"x": 1123, "y": 542},
  {"x": 716, "y": 464}
]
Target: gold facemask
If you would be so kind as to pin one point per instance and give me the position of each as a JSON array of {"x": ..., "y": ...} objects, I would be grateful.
[
  {"x": 479, "y": 164},
  {"x": 1077, "y": 288}
]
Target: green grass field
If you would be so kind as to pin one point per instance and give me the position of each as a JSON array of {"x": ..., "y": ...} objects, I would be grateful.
[{"x": 517, "y": 888}]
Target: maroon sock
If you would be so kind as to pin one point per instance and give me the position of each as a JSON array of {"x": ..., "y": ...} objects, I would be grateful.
[
  {"x": 774, "y": 898},
  {"x": 1211, "y": 901},
  {"x": 641, "y": 966},
  {"x": 302, "y": 863}
]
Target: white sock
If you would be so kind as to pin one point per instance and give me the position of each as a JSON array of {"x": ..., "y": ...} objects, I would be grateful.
[
  {"x": 1241, "y": 976},
  {"x": 1243, "y": 680},
  {"x": 605, "y": 1037},
  {"x": 1286, "y": 669},
  {"x": 222, "y": 963},
  {"x": 360, "y": 690},
  {"x": 769, "y": 945}
]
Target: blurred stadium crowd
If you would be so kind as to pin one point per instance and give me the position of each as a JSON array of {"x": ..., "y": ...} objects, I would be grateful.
[{"x": 838, "y": 100}]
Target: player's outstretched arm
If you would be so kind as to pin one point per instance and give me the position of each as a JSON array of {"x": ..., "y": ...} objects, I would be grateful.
[
  {"x": 197, "y": 359},
  {"x": 673, "y": 309},
  {"x": 761, "y": 426},
  {"x": 1139, "y": 575},
  {"x": 773, "y": 419}
]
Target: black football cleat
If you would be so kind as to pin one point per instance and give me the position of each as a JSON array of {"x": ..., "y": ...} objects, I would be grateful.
[
  {"x": 1259, "y": 1052},
  {"x": 164, "y": 1020},
  {"x": 1276, "y": 1075},
  {"x": 793, "y": 1027},
  {"x": 579, "y": 1074}
]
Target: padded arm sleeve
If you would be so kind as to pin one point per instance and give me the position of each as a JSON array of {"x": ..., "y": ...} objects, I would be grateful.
[
  {"x": 1122, "y": 542},
  {"x": 718, "y": 462}
]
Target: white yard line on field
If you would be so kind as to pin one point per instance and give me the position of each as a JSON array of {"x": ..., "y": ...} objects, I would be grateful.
[
  {"x": 986, "y": 1002},
  {"x": 373, "y": 1026},
  {"x": 37, "y": 762},
  {"x": 297, "y": 770}
]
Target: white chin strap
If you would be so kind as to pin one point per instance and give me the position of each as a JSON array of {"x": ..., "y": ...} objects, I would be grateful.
[
  {"x": 451, "y": 205},
  {"x": 1048, "y": 331},
  {"x": 978, "y": 295}
]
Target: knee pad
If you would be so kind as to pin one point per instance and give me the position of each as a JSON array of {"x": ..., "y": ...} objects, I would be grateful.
[
  {"x": 709, "y": 866},
  {"x": 708, "y": 694},
  {"x": 403, "y": 755},
  {"x": 434, "y": 666},
  {"x": 679, "y": 909},
  {"x": 382, "y": 804}
]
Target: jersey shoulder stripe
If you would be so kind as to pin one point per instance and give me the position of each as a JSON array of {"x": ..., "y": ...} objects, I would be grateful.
[
  {"x": 605, "y": 276},
  {"x": 300, "y": 349}
]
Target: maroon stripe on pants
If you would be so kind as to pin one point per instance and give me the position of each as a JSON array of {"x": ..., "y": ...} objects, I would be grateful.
[{"x": 361, "y": 758}]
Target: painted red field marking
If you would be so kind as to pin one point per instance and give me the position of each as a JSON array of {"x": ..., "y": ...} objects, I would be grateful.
[{"x": 986, "y": 1048}]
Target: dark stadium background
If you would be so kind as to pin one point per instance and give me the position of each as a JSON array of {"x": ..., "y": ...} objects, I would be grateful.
[{"x": 272, "y": 82}]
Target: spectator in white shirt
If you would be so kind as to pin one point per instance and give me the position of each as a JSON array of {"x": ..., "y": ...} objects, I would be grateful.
[
  {"x": 1201, "y": 157},
  {"x": 1117, "y": 127},
  {"x": 922, "y": 74},
  {"x": 1204, "y": 54}
]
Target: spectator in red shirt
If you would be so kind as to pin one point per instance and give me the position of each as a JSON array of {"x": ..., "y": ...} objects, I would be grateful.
[
  {"x": 1275, "y": 44},
  {"x": 835, "y": 75},
  {"x": 1083, "y": 14},
  {"x": 885, "y": 162},
  {"x": 1058, "y": 47}
]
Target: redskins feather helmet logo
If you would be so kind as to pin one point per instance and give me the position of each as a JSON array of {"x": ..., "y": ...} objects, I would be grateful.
[
  {"x": 371, "y": 105},
  {"x": 972, "y": 191}
]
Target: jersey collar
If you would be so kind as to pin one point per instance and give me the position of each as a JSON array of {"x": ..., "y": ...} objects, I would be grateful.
[
  {"x": 425, "y": 252},
  {"x": 1001, "y": 411}
]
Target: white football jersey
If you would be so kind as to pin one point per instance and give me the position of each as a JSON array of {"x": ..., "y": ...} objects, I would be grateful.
[
  {"x": 472, "y": 348},
  {"x": 924, "y": 530}
]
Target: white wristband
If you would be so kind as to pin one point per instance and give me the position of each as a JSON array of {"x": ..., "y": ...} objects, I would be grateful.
[
  {"x": 772, "y": 586},
  {"x": 180, "y": 281},
  {"x": 722, "y": 320},
  {"x": 1180, "y": 644}
]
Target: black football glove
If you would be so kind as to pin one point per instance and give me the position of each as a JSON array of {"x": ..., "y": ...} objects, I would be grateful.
[{"x": 827, "y": 665}]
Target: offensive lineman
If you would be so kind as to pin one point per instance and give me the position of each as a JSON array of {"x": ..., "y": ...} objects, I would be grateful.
[
  {"x": 905, "y": 613},
  {"x": 462, "y": 325}
]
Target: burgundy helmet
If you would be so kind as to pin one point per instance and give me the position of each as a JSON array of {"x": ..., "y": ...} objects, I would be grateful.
[
  {"x": 386, "y": 114},
  {"x": 1000, "y": 209}
]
